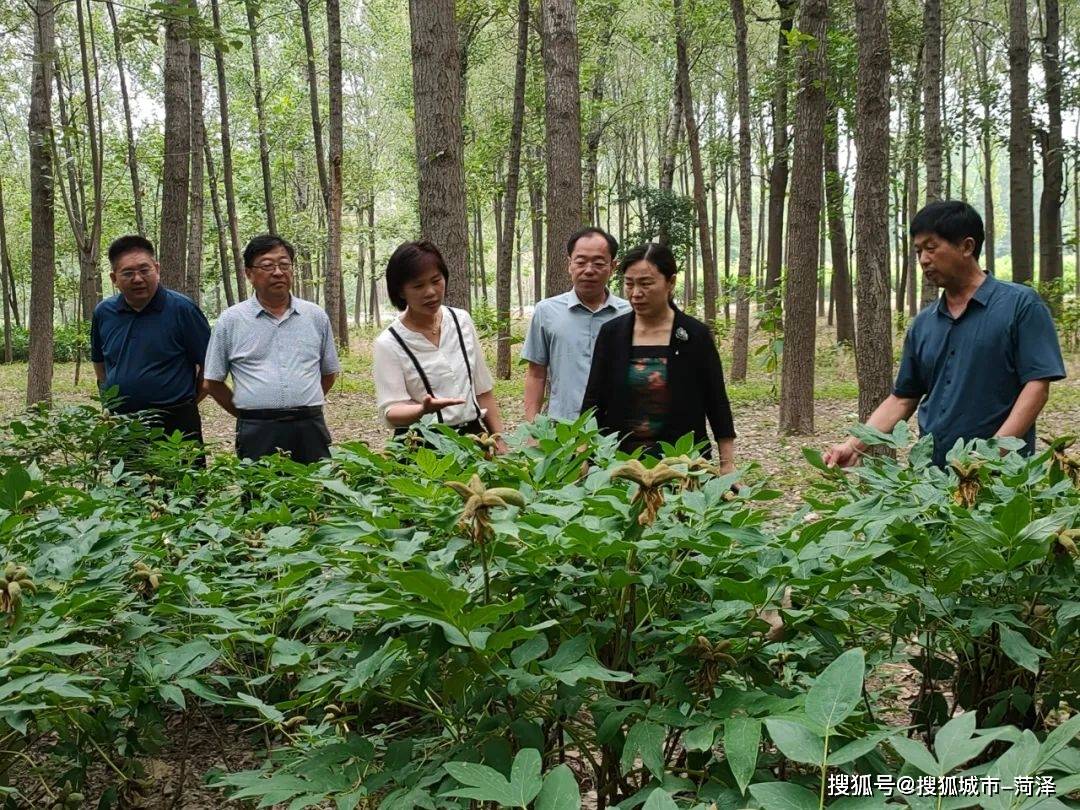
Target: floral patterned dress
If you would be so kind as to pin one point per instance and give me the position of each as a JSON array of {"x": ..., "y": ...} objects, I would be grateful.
[{"x": 647, "y": 380}]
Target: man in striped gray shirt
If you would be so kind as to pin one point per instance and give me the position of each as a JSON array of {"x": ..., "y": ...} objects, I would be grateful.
[{"x": 280, "y": 352}]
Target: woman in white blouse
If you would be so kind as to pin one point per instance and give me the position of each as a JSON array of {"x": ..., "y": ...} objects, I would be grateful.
[{"x": 429, "y": 360}]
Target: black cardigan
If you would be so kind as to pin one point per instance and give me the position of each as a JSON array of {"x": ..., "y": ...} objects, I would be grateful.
[{"x": 695, "y": 380}]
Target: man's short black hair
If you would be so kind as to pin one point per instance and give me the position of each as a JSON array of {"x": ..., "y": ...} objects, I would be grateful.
[
  {"x": 128, "y": 243},
  {"x": 952, "y": 220},
  {"x": 612, "y": 242},
  {"x": 264, "y": 243},
  {"x": 406, "y": 263}
]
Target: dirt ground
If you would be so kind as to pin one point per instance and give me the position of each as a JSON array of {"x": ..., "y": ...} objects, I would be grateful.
[{"x": 199, "y": 743}]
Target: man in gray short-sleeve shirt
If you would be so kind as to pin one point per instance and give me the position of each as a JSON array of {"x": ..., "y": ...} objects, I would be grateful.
[
  {"x": 280, "y": 352},
  {"x": 563, "y": 328}
]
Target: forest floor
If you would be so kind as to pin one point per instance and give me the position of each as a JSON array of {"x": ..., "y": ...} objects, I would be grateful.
[{"x": 197, "y": 743}]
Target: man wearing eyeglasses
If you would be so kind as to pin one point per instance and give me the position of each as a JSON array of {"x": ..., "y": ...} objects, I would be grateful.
[
  {"x": 280, "y": 352},
  {"x": 149, "y": 342},
  {"x": 563, "y": 329}
]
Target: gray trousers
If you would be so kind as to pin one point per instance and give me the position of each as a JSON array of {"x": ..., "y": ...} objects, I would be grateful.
[{"x": 305, "y": 440}]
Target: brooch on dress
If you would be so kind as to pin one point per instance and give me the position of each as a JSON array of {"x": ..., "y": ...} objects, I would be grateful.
[{"x": 680, "y": 334}]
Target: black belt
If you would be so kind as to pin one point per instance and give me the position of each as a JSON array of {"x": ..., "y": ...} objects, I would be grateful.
[{"x": 279, "y": 414}]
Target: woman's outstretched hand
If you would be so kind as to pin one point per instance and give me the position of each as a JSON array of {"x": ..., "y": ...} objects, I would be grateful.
[{"x": 432, "y": 404}]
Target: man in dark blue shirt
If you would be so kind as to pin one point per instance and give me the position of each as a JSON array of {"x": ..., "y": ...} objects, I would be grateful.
[
  {"x": 978, "y": 362},
  {"x": 149, "y": 342}
]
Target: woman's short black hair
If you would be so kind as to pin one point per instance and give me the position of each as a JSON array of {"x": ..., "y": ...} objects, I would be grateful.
[
  {"x": 656, "y": 254},
  {"x": 406, "y": 263},
  {"x": 264, "y": 243},
  {"x": 952, "y": 220}
]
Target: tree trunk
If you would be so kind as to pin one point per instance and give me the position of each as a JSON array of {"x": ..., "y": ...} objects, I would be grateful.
[
  {"x": 5, "y": 274},
  {"x": 701, "y": 204},
  {"x": 562, "y": 135},
  {"x": 219, "y": 225},
  {"x": 42, "y": 234},
  {"x": 596, "y": 103},
  {"x": 1050, "y": 236},
  {"x": 778, "y": 173},
  {"x": 313, "y": 98},
  {"x": 797, "y": 378},
  {"x": 335, "y": 299},
  {"x": 513, "y": 174},
  {"x": 1021, "y": 167},
  {"x": 931, "y": 81},
  {"x": 741, "y": 343},
  {"x": 536, "y": 220},
  {"x": 670, "y": 150},
  {"x": 226, "y": 155},
  {"x": 373, "y": 296},
  {"x": 873, "y": 343},
  {"x": 358, "y": 302},
  {"x": 914, "y": 134},
  {"x": 176, "y": 166},
  {"x": 193, "y": 279},
  {"x": 834, "y": 203},
  {"x": 132, "y": 160},
  {"x": 437, "y": 89},
  {"x": 260, "y": 117},
  {"x": 986, "y": 97}
]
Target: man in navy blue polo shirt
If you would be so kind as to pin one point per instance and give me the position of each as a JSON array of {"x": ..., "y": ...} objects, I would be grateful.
[
  {"x": 149, "y": 342},
  {"x": 978, "y": 362}
]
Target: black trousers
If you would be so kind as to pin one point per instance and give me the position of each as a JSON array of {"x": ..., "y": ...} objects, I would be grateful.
[
  {"x": 183, "y": 416},
  {"x": 299, "y": 432}
]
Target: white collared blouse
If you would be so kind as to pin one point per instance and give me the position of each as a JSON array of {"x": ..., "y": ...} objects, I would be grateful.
[{"x": 398, "y": 380}]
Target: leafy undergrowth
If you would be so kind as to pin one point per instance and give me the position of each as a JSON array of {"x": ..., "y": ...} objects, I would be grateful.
[{"x": 432, "y": 627}]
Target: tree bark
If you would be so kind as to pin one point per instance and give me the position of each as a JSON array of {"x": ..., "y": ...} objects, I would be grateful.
[
  {"x": 741, "y": 343},
  {"x": 797, "y": 377},
  {"x": 778, "y": 173},
  {"x": 226, "y": 155},
  {"x": 42, "y": 223},
  {"x": 1021, "y": 167},
  {"x": 373, "y": 297},
  {"x": 596, "y": 103},
  {"x": 176, "y": 167},
  {"x": 5, "y": 274},
  {"x": 873, "y": 339},
  {"x": 986, "y": 98},
  {"x": 931, "y": 81},
  {"x": 132, "y": 160},
  {"x": 437, "y": 89},
  {"x": 509, "y": 221},
  {"x": 834, "y": 206},
  {"x": 536, "y": 220},
  {"x": 219, "y": 224},
  {"x": 335, "y": 298},
  {"x": 562, "y": 135},
  {"x": 701, "y": 204},
  {"x": 260, "y": 117},
  {"x": 193, "y": 277},
  {"x": 313, "y": 98},
  {"x": 1050, "y": 236}
]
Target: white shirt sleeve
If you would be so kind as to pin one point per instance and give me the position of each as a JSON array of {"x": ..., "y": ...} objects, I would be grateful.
[{"x": 389, "y": 379}]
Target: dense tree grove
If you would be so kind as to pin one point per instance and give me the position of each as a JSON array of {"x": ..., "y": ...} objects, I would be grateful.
[{"x": 497, "y": 127}]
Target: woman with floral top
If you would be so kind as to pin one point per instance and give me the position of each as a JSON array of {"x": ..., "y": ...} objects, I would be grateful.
[{"x": 656, "y": 374}]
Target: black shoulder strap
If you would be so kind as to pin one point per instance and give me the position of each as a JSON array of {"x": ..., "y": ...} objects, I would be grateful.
[
  {"x": 465, "y": 356},
  {"x": 419, "y": 368}
]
